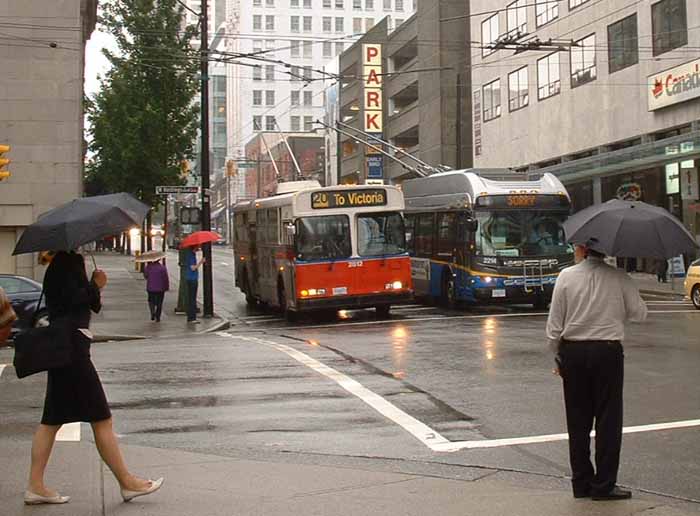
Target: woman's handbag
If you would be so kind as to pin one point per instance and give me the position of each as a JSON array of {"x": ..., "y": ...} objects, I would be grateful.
[{"x": 43, "y": 348}]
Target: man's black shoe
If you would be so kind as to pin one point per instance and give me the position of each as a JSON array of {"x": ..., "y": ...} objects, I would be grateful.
[
  {"x": 615, "y": 494},
  {"x": 582, "y": 494}
]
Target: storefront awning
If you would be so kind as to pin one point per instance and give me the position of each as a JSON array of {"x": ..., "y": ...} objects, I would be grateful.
[{"x": 215, "y": 214}]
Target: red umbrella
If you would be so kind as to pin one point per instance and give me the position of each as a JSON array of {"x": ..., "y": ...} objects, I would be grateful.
[{"x": 198, "y": 238}]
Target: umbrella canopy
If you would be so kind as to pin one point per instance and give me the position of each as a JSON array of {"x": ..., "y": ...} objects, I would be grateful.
[
  {"x": 81, "y": 221},
  {"x": 150, "y": 256},
  {"x": 198, "y": 238},
  {"x": 630, "y": 229}
]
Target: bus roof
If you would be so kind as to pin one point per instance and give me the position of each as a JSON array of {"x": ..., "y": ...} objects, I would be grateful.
[{"x": 461, "y": 188}]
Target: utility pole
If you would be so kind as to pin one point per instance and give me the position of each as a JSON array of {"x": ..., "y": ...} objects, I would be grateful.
[{"x": 207, "y": 292}]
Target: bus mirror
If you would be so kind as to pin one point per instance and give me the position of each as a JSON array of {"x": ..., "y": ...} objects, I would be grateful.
[
  {"x": 291, "y": 231},
  {"x": 472, "y": 225}
]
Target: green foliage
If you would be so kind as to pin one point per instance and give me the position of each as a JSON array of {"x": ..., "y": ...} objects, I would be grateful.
[{"x": 143, "y": 122}]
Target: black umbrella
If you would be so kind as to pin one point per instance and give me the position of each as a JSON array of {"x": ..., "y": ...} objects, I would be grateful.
[
  {"x": 81, "y": 221},
  {"x": 629, "y": 229}
]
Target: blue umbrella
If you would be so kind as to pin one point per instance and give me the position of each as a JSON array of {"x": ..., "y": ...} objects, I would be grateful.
[
  {"x": 630, "y": 229},
  {"x": 81, "y": 221}
]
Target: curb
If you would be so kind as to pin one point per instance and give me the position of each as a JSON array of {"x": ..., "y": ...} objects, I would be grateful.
[
  {"x": 663, "y": 293},
  {"x": 223, "y": 324}
]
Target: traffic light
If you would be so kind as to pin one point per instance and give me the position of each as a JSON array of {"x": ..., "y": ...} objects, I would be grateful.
[{"x": 4, "y": 174}]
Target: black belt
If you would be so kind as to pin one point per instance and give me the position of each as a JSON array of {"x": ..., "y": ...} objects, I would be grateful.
[{"x": 588, "y": 342}]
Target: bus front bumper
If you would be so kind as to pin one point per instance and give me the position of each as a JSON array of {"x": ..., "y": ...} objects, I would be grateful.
[
  {"x": 354, "y": 302},
  {"x": 512, "y": 294}
]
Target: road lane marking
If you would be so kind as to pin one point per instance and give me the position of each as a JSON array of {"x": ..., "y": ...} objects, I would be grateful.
[
  {"x": 2, "y": 368},
  {"x": 69, "y": 432},
  {"x": 536, "y": 439},
  {"x": 418, "y": 429}
]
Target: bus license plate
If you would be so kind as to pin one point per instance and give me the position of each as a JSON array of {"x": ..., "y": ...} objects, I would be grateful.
[
  {"x": 340, "y": 291},
  {"x": 498, "y": 292}
]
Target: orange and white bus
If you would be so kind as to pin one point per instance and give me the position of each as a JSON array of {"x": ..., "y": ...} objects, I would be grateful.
[{"x": 323, "y": 248}]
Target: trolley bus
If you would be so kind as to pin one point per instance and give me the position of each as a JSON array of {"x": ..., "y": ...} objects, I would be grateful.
[
  {"x": 486, "y": 236},
  {"x": 323, "y": 248}
]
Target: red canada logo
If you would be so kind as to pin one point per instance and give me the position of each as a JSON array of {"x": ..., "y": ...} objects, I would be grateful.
[{"x": 658, "y": 88}]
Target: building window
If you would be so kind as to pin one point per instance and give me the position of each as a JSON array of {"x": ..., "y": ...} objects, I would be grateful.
[
  {"x": 257, "y": 3},
  {"x": 339, "y": 4},
  {"x": 269, "y": 22},
  {"x": 257, "y": 73},
  {"x": 489, "y": 34},
  {"x": 583, "y": 68},
  {"x": 308, "y": 98},
  {"x": 369, "y": 23},
  {"x": 269, "y": 3},
  {"x": 327, "y": 49},
  {"x": 369, "y": 5},
  {"x": 548, "y": 79},
  {"x": 270, "y": 45},
  {"x": 294, "y": 48},
  {"x": 257, "y": 97},
  {"x": 295, "y": 123},
  {"x": 307, "y": 4},
  {"x": 295, "y": 73},
  {"x": 308, "y": 123},
  {"x": 340, "y": 24},
  {"x": 357, "y": 5},
  {"x": 669, "y": 25},
  {"x": 545, "y": 11},
  {"x": 623, "y": 44},
  {"x": 307, "y": 23},
  {"x": 492, "y": 100},
  {"x": 270, "y": 98},
  {"x": 294, "y": 3},
  {"x": 327, "y": 23},
  {"x": 398, "y": 5},
  {"x": 257, "y": 123},
  {"x": 387, "y": 5},
  {"x": 269, "y": 123},
  {"x": 294, "y": 23},
  {"x": 356, "y": 25},
  {"x": 257, "y": 45},
  {"x": 576, "y": 3},
  {"x": 327, "y": 4},
  {"x": 257, "y": 22},
  {"x": 518, "y": 89},
  {"x": 295, "y": 98},
  {"x": 516, "y": 15},
  {"x": 269, "y": 72},
  {"x": 308, "y": 49},
  {"x": 307, "y": 73},
  {"x": 339, "y": 48}
]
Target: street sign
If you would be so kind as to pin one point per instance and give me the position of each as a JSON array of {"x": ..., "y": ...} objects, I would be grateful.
[
  {"x": 246, "y": 164},
  {"x": 165, "y": 190}
]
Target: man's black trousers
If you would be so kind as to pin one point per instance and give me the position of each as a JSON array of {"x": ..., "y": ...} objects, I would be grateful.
[{"x": 593, "y": 373}]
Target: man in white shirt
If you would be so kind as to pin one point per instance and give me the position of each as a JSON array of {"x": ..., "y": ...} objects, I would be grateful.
[{"x": 585, "y": 328}]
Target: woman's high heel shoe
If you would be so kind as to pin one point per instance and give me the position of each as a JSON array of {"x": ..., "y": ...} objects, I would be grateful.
[{"x": 130, "y": 495}]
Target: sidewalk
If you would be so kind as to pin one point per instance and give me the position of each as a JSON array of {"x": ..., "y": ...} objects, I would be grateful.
[
  {"x": 125, "y": 312},
  {"x": 648, "y": 284},
  {"x": 206, "y": 485}
]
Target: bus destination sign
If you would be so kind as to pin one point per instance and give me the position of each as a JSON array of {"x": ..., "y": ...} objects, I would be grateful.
[
  {"x": 523, "y": 201},
  {"x": 348, "y": 199}
]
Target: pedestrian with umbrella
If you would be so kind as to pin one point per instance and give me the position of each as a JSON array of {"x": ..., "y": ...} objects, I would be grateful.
[
  {"x": 590, "y": 304},
  {"x": 74, "y": 392},
  {"x": 157, "y": 281},
  {"x": 192, "y": 244}
]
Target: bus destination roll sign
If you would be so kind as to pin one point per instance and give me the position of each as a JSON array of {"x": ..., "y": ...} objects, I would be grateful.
[{"x": 350, "y": 199}]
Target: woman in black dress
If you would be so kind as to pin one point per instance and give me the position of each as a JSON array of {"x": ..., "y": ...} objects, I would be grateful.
[{"x": 74, "y": 393}]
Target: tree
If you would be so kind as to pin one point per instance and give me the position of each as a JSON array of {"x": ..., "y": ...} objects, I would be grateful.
[{"x": 143, "y": 122}]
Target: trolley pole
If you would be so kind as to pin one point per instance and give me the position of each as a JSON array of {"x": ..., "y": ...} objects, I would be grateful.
[{"x": 207, "y": 291}]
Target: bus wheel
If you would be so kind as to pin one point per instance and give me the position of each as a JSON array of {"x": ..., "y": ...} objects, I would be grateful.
[
  {"x": 540, "y": 303},
  {"x": 447, "y": 293},
  {"x": 383, "y": 311},
  {"x": 289, "y": 315}
]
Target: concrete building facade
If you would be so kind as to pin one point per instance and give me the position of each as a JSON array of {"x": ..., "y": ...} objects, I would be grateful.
[
  {"x": 424, "y": 87},
  {"x": 42, "y": 51},
  {"x": 605, "y": 95},
  {"x": 303, "y": 35}
]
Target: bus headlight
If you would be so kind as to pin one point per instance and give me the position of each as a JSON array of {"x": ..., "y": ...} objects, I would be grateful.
[
  {"x": 313, "y": 292},
  {"x": 396, "y": 285},
  {"x": 488, "y": 279}
]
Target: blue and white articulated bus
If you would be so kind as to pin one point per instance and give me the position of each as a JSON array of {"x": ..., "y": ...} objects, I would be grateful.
[{"x": 486, "y": 236}]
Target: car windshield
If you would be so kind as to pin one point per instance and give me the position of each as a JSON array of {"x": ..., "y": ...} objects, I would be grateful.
[
  {"x": 521, "y": 233},
  {"x": 323, "y": 238},
  {"x": 380, "y": 234}
]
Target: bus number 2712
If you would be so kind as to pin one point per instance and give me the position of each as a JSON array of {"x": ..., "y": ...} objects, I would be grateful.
[{"x": 356, "y": 263}]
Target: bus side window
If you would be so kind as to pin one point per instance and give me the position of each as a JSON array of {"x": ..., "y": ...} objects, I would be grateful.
[
  {"x": 424, "y": 235},
  {"x": 410, "y": 223},
  {"x": 272, "y": 226},
  {"x": 446, "y": 233},
  {"x": 262, "y": 226}
]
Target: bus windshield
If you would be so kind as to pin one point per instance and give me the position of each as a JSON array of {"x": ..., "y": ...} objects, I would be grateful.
[
  {"x": 323, "y": 238},
  {"x": 521, "y": 233},
  {"x": 380, "y": 234}
]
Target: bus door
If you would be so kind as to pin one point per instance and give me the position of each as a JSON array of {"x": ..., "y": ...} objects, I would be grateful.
[
  {"x": 252, "y": 270},
  {"x": 421, "y": 267}
]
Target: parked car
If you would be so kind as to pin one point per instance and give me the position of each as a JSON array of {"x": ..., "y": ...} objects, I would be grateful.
[
  {"x": 24, "y": 295},
  {"x": 692, "y": 283}
]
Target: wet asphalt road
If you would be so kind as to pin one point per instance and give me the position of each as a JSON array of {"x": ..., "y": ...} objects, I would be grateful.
[{"x": 470, "y": 375}]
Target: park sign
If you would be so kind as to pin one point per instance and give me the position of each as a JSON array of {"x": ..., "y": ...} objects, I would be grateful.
[
  {"x": 675, "y": 85},
  {"x": 166, "y": 190},
  {"x": 372, "y": 87}
]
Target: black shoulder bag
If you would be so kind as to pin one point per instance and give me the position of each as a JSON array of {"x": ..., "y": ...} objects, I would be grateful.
[{"x": 43, "y": 348}]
